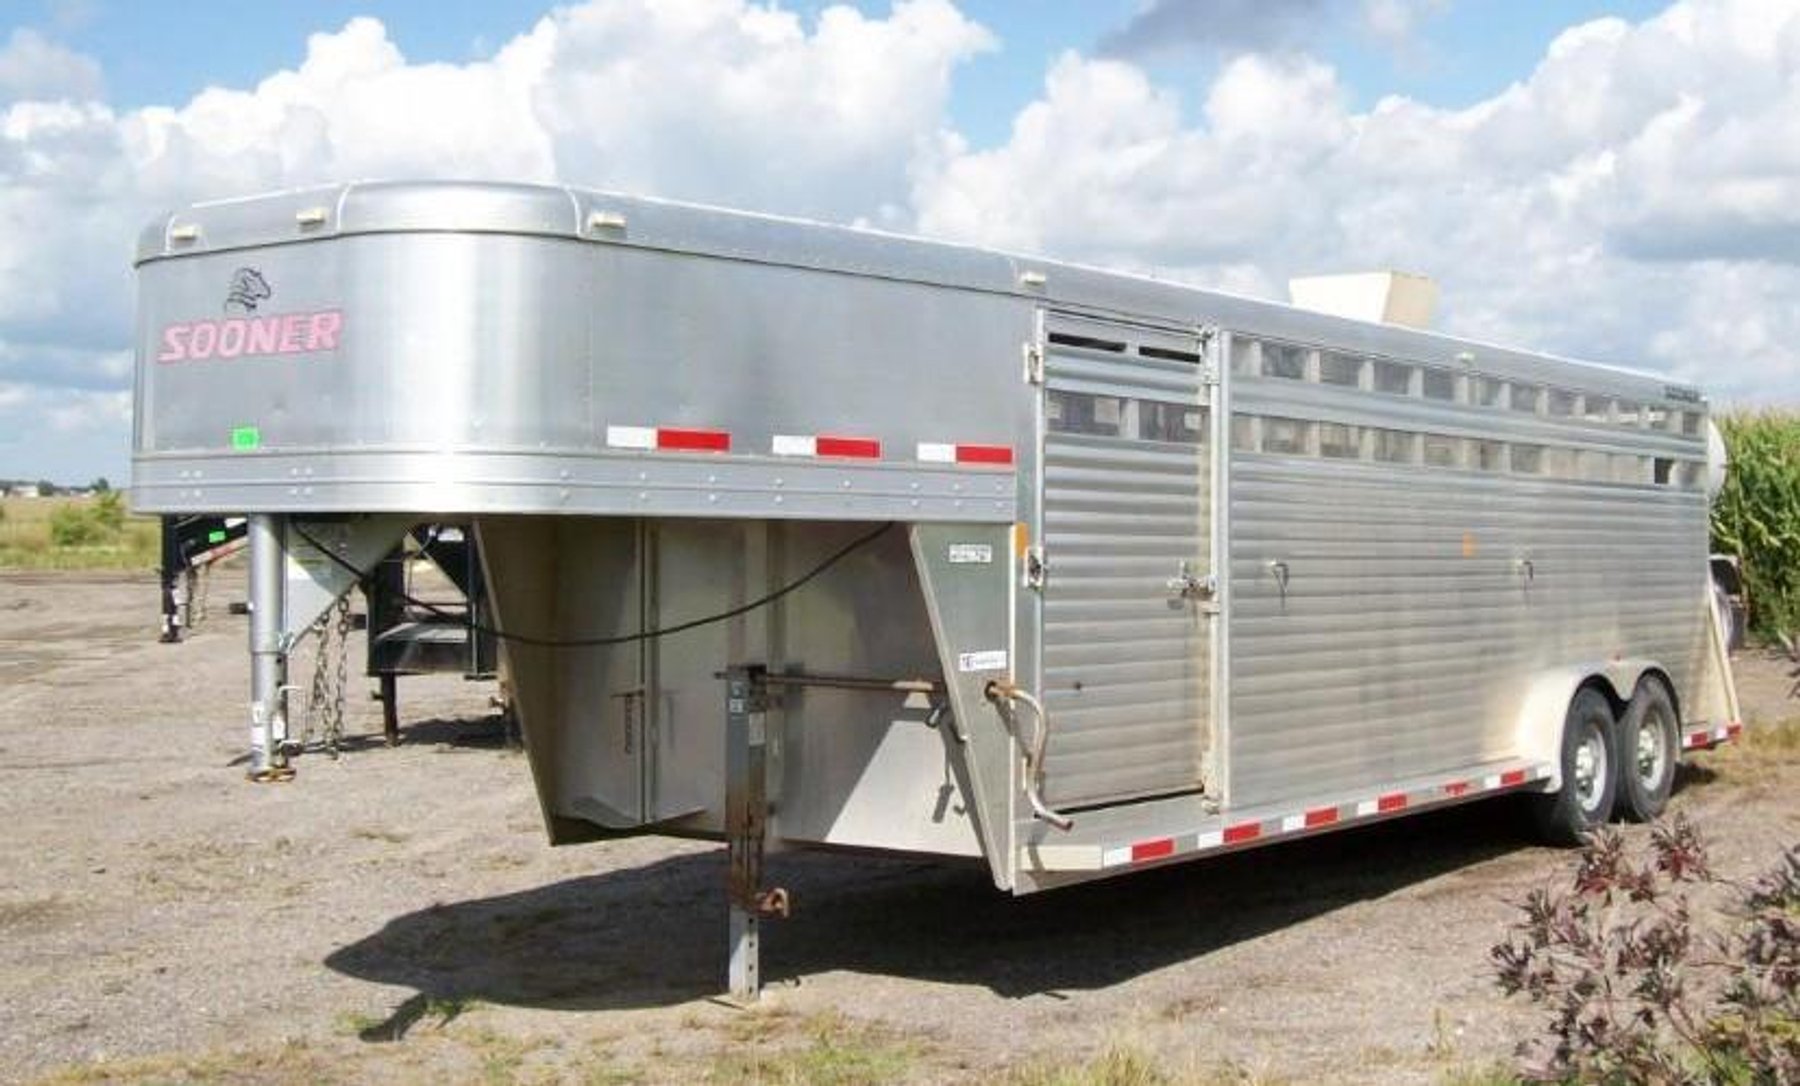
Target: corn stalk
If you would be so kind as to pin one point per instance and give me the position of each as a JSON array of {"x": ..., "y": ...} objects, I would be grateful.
[{"x": 1757, "y": 514}]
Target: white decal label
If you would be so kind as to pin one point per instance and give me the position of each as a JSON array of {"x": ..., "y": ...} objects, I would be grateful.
[
  {"x": 990, "y": 660},
  {"x": 962, "y": 554}
]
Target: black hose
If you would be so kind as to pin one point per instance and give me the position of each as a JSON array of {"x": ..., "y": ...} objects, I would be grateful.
[{"x": 623, "y": 639}]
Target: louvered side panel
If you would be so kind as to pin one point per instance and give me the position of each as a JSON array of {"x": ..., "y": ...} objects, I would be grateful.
[
  {"x": 1125, "y": 666},
  {"x": 1409, "y": 631}
]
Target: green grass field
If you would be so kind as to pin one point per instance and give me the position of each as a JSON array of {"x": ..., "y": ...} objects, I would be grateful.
[{"x": 26, "y": 543}]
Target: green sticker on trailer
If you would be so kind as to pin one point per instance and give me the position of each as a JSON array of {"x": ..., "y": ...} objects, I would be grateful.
[
  {"x": 246, "y": 437},
  {"x": 215, "y": 537}
]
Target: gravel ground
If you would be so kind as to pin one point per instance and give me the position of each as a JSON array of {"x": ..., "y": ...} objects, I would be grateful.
[{"x": 396, "y": 915}]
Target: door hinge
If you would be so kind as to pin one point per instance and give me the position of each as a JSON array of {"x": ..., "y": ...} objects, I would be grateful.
[
  {"x": 1034, "y": 363},
  {"x": 1208, "y": 334}
]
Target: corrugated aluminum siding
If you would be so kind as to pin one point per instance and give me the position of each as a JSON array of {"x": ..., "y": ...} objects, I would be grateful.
[
  {"x": 1125, "y": 665},
  {"x": 1409, "y": 631}
]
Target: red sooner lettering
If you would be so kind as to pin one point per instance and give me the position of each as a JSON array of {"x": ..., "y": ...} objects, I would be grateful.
[
  {"x": 251, "y": 337},
  {"x": 324, "y": 332},
  {"x": 231, "y": 338},
  {"x": 293, "y": 326},
  {"x": 174, "y": 343},
  {"x": 264, "y": 333},
  {"x": 205, "y": 338}
]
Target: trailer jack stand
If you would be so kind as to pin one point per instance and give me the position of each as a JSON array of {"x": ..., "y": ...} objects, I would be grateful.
[
  {"x": 746, "y": 825},
  {"x": 268, "y": 650}
]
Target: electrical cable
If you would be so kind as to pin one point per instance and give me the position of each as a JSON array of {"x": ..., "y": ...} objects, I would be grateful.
[{"x": 623, "y": 639}]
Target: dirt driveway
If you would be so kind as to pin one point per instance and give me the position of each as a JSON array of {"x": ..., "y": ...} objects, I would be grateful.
[{"x": 395, "y": 914}]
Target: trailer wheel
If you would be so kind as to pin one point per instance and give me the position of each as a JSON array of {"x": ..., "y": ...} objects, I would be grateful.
[
  {"x": 1647, "y": 751},
  {"x": 1589, "y": 783}
]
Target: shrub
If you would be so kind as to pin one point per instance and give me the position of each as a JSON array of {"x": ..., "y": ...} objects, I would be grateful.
[
  {"x": 108, "y": 511},
  {"x": 1757, "y": 514},
  {"x": 1645, "y": 984},
  {"x": 89, "y": 525}
]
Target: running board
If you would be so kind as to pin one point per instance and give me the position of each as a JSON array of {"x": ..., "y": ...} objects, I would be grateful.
[{"x": 1232, "y": 830}]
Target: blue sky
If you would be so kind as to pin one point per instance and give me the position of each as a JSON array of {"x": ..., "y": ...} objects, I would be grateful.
[
  {"x": 1616, "y": 180},
  {"x": 163, "y": 52}
]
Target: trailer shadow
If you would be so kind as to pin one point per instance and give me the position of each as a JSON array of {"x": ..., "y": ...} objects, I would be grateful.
[
  {"x": 655, "y": 935},
  {"x": 446, "y": 734}
]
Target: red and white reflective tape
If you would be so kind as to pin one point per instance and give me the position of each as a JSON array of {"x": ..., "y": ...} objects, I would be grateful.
[
  {"x": 813, "y": 446},
  {"x": 931, "y": 452},
  {"x": 826, "y": 445},
  {"x": 668, "y": 439},
  {"x": 1704, "y": 738},
  {"x": 1312, "y": 819}
]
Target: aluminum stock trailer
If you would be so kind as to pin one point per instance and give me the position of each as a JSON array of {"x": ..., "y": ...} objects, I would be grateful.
[{"x": 803, "y": 536}]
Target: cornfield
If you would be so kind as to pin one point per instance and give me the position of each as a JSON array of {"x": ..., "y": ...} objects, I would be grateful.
[{"x": 1757, "y": 515}]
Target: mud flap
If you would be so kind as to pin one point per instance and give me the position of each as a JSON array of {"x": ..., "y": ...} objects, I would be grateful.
[
  {"x": 1716, "y": 696},
  {"x": 965, "y": 571}
]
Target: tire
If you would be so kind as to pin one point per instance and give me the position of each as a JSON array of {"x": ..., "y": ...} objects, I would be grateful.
[
  {"x": 1589, "y": 784},
  {"x": 1646, "y": 751}
]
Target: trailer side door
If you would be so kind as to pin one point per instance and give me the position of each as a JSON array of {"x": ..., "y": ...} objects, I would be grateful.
[{"x": 1124, "y": 523}]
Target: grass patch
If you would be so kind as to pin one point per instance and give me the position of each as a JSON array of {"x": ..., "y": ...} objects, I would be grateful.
[
  {"x": 833, "y": 1051},
  {"x": 1781, "y": 737},
  {"x": 1125, "y": 1066},
  {"x": 1762, "y": 754},
  {"x": 292, "y": 1062},
  {"x": 438, "y": 1012},
  {"x": 1115, "y": 1067},
  {"x": 1492, "y": 1075},
  {"x": 77, "y": 534}
]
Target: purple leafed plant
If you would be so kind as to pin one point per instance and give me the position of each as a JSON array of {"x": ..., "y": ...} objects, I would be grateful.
[{"x": 1657, "y": 970}]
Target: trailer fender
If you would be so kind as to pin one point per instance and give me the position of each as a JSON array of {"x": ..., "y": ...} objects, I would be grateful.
[{"x": 1546, "y": 705}]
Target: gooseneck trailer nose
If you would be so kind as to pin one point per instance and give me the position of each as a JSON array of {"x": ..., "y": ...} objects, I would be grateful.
[{"x": 806, "y": 536}]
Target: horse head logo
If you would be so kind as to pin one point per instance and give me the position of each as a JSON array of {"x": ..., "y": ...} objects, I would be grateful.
[{"x": 248, "y": 287}]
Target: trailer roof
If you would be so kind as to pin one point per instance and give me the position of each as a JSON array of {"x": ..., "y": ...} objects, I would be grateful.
[{"x": 378, "y": 207}]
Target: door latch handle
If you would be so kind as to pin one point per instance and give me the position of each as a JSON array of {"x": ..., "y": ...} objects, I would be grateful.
[
  {"x": 1185, "y": 585},
  {"x": 1279, "y": 570}
]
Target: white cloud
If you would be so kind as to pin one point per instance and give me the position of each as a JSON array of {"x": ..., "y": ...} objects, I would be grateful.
[
  {"x": 1233, "y": 26},
  {"x": 719, "y": 100},
  {"x": 64, "y": 434},
  {"x": 1398, "y": 21},
  {"x": 32, "y": 66},
  {"x": 71, "y": 411},
  {"x": 1635, "y": 198},
  {"x": 722, "y": 102}
]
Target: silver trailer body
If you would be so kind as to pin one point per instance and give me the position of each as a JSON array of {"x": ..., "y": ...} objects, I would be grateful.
[{"x": 1268, "y": 572}]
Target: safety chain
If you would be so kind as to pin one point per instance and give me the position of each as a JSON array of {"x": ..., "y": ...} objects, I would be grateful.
[
  {"x": 198, "y": 583},
  {"x": 325, "y": 699}
]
